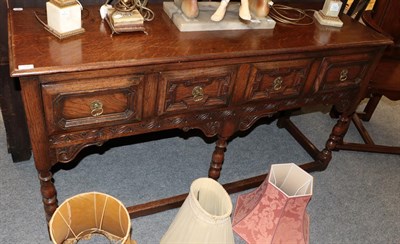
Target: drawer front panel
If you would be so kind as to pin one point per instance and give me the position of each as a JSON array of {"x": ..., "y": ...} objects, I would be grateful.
[
  {"x": 277, "y": 80},
  {"x": 83, "y": 104},
  {"x": 340, "y": 72},
  {"x": 195, "y": 89}
]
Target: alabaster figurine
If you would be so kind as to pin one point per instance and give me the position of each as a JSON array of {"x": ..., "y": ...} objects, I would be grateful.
[
  {"x": 259, "y": 8},
  {"x": 220, "y": 12},
  {"x": 189, "y": 7},
  {"x": 244, "y": 11}
]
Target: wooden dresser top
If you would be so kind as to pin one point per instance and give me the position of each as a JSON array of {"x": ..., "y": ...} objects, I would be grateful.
[{"x": 31, "y": 44}]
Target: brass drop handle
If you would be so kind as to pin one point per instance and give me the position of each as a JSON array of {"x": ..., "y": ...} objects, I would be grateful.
[
  {"x": 278, "y": 83},
  {"x": 96, "y": 108},
  {"x": 198, "y": 93},
  {"x": 343, "y": 74}
]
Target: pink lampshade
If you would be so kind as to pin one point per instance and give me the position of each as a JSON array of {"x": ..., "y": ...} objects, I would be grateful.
[{"x": 276, "y": 211}]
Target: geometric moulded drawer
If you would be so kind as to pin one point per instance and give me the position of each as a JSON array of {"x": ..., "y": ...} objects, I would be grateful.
[
  {"x": 195, "y": 89},
  {"x": 277, "y": 79},
  {"x": 84, "y": 104},
  {"x": 342, "y": 71}
]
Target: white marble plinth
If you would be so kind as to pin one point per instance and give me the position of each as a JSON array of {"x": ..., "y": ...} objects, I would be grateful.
[
  {"x": 203, "y": 22},
  {"x": 327, "y": 20}
]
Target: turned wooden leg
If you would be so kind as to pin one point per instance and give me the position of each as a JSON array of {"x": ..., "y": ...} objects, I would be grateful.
[
  {"x": 335, "y": 138},
  {"x": 48, "y": 191},
  {"x": 218, "y": 155},
  {"x": 217, "y": 159},
  {"x": 31, "y": 93}
]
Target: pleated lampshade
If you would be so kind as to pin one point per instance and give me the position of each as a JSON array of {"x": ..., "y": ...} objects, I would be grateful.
[
  {"x": 204, "y": 217},
  {"x": 87, "y": 214}
]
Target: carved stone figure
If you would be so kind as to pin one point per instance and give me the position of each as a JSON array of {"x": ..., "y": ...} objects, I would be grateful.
[{"x": 259, "y": 8}]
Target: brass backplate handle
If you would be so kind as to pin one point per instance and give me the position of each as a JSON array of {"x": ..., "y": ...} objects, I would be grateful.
[
  {"x": 198, "y": 93},
  {"x": 343, "y": 74},
  {"x": 96, "y": 108},
  {"x": 278, "y": 83}
]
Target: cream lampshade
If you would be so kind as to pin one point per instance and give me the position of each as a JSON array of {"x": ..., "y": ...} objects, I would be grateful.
[
  {"x": 276, "y": 211},
  {"x": 204, "y": 217},
  {"x": 87, "y": 214}
]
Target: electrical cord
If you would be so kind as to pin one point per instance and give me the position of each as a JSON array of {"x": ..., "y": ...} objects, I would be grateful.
[
  {"x": 280, "y": 13},
  {"x": 129, "y": 5}
]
